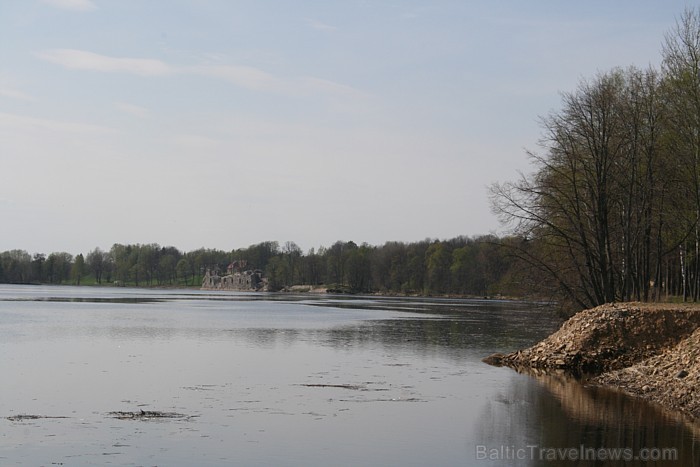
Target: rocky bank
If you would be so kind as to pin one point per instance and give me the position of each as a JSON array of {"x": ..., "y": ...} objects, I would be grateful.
[{"x": 648, "y": 350}]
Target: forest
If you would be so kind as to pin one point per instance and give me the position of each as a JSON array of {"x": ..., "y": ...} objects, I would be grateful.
[
  {"x": 610, "y": 212},
  {"x": 460, "y": 266}
]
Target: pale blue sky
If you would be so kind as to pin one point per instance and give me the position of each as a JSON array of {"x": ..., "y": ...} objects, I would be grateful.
[{"x": 223, "y": 123}]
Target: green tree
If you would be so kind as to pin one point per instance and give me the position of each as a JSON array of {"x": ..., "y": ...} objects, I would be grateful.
[
  {"x": 569, "y": 204},
  {"x": 358, "y": 263},
  {"x": 292, "y": 254},
  {"x": 335, "y": 263},
  {"x": 258, "y": 255},
  {"x": 277, "y": 273},
  {"x": 97, "y": 261},
  {"x": 122, "y": 259},
  {"x": 166, "y": 269},
  {"x": 59, "y": 266},
  {"x": 415, "y": 267},
  {"x": 183, "y": 271},
  {"x": 78, "y": 269},
  {"x": 313, "y": 267},
  {"x": 681, "y": 65},
  {"x": 16, "y": 265},
  {"x": 462, "y": 269},
  {"x": 37, "y": 269},
  {"x": 437, "y": 261}
]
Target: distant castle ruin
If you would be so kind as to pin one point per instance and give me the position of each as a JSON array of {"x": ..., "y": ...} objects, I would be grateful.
[{"x": 237, "y": 278}]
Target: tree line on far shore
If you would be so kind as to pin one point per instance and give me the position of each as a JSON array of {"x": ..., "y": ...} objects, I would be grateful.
[{"x": 464, "y": 266}]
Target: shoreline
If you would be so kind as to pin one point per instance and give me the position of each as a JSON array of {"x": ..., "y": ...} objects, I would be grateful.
[
  {"x": 295, "y": 289},
  {"x": 647, "y": 350}
]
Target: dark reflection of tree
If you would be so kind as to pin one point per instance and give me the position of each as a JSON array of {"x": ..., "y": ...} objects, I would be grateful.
[
  {"x": 556, "y": 412},
  {"x": 452, "y": 329},
  {"x": 452, "y": 337},
  {"x": 265, "y": 338}
]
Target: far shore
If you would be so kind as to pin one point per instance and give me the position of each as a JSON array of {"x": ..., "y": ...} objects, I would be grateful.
[{"x": 296, "y": 289}]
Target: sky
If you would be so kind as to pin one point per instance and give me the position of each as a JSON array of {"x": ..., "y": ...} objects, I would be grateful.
[{"x": 225, "y": 123}]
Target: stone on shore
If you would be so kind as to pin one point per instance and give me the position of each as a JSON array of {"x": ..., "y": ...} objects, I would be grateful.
[
  {"x": 671, "y": 378},
  {"x": 648, "y": 350}
]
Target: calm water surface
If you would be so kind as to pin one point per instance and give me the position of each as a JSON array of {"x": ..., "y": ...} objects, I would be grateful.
[{"x": 255, "y": 379}]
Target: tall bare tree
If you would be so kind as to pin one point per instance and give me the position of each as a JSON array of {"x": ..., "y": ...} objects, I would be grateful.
[
  {"x": 681, "y": 66},
  {"x": 592, "y": 205}
]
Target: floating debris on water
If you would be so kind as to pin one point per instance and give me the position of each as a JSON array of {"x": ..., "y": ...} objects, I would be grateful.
[
  {"x": 355, "y": 387},
  {"x": 24, "y": 417},
  {"x": 148, "y": 415}
]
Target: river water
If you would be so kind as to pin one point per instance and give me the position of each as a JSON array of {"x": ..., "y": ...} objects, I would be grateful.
[{"x": 118, "y": 376}]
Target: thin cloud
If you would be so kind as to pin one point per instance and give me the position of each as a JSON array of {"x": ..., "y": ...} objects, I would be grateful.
[
  {"x": 247, "y": 77},
  {"x": 195, "y": 141},
  {"x": 260, "y": 80},
  {"x": 15, "y": 94},
  {"x": 330, "y": 87},
  {"x": 21, "y": 122},
  {"x": 82, "y": 60},
  {"x": 243, "y": 76},
  {"x": 319, "y": 26},
  {"x": 75, "y": 5},
  {"x": 132, "y": 109}
]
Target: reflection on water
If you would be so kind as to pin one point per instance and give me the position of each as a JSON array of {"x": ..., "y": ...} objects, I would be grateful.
[
  {"x": 559, "y": 412},
  {"x": 265, "y": 379}
]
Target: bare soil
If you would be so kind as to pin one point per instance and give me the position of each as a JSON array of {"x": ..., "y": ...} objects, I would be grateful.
[{"x": 647, "y": 350}]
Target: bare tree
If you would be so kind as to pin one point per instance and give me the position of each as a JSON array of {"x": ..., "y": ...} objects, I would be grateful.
[
  {"x": 681, "y": 65},
  {"x": 591, "y": 206}
]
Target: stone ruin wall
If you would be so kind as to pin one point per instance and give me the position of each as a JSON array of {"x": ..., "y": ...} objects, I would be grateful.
[{"x": 246, "y": 281}]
